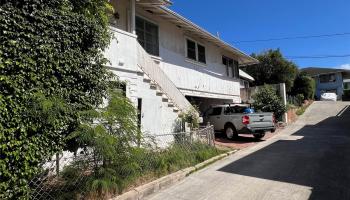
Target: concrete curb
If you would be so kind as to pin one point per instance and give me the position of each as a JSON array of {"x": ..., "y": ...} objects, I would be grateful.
[{"x": 166, "y": 181}]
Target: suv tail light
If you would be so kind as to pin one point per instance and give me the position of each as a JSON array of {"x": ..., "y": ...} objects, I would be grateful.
[{"x": 245, "y": 120}]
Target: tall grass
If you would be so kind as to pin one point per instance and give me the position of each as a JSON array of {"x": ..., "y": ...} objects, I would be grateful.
[{"x": 143, "y": 165}]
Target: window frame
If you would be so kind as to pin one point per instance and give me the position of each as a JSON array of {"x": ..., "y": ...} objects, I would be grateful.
[
  {"x": 146, "y": 20},
  {"x": 196, "y": 51},
  {"x": 328, "y": 81},
  {"x": 234, "y": 68}
]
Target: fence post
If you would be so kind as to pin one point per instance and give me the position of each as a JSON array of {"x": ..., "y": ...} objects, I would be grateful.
[
  {"x": 57, "y": 164},
  {"x": 283, "y": 94}
]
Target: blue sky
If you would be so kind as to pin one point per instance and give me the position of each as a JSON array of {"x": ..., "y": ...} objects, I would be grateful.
[{"x": 240, "y": 20}]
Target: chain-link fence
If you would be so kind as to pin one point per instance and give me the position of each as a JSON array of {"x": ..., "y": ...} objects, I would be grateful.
[{"x": 85, "y": 176}]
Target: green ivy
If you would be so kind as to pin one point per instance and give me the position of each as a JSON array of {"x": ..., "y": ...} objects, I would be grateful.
[{"x": 51, "y": 68}]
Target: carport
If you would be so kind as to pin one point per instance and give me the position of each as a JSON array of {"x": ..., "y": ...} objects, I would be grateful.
[{"x": 203, "y": 103}]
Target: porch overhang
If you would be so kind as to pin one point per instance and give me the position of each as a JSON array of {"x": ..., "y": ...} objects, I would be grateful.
[
  {"x": 154, "y": 2},
  {"x": 245, "y": 76},
  {"x": 211, "y": 95},
  {"x": 193, "y": 29}
]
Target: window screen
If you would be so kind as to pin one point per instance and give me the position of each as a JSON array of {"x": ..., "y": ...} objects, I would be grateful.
[{"x": 147, "y": 36}]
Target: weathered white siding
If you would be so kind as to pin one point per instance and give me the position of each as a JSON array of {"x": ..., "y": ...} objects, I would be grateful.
[
  {"x": 156, "y": 116},
  {"x": 191, "y": 77}
]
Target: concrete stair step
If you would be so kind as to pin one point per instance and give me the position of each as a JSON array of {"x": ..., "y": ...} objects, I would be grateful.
[
  {"x": 165, "y": 98},
  {"x": 146, "y": 78},
  {"x": 153, "y": 85},
  {"x": 175, "y": 109},
  {"x": 170, "y": 104}
]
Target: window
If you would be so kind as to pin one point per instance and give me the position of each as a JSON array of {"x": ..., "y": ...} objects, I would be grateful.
[
  {"x": 191, "y": 50},
  {"x": 229, "y": 110},
  {"x": 346, "y": 85},
  {"x": 234, "y": 109},
  {"x": 121, "y": 87},
  {"x": 147, "y": 36},
  {"x": 201, "y": 53},
  {"x": 195, "y": 51},
  {"x": 216, "y": 111},
  {"x": 327, "y": 78},
  {"x": 231, "y": 67}
]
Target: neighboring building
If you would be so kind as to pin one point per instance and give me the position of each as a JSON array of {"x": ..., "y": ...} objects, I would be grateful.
[
  {"x": 166, "y": 61},
  {"x": 329, "y": 80}
]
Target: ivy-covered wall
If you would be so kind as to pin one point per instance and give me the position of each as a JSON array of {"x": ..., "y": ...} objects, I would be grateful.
[{"x": 51, "y": 69}]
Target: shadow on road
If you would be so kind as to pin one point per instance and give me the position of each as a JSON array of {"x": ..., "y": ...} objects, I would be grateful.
[{"x": 319, "y": 157}]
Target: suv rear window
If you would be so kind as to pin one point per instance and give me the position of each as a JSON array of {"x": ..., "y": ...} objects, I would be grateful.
[
  {"x": 216, "y": 111},
  {"x": 234, "y": 109}
]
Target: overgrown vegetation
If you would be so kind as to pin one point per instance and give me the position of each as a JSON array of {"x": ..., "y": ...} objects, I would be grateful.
[
  {"x": 302, "y": 109},
  {"x": 51, "y": 69},
  {"x": 191, "y": 116},
  {"x": 114, "y": 156},
  {"x": 267, "y": 100},
  {"x": 141, "y": 166},
  {"x": 273, "y": 68},
  {"x": 304, "y": 85}
]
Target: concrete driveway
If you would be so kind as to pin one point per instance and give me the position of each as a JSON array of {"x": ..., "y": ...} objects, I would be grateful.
[{"x": 308, "y": 160}]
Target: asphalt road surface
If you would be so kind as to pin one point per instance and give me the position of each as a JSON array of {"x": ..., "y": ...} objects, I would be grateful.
[{"x": 308, "y": 160}]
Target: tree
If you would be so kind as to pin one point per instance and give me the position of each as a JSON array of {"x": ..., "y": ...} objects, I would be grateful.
[
  {"x": 51, "y": 69},
  {"x": 273, "y": 69},
  {"x": 267, "y": 100},
  {"x": 304, "y": 85}
]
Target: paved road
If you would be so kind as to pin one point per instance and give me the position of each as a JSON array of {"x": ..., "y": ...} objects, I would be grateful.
[{"x": 308, "y": 160}]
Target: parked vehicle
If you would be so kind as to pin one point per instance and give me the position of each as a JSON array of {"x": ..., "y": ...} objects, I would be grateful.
[
  {"x": 233, "y": 120},
  {"x": 328, "y": 96}
]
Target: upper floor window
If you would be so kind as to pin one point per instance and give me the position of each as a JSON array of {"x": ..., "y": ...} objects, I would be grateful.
[
  {"x": 195, "y": 51},
  {"x": 231, "y": 67},
  {"x": 147, "y": 35},
  {"x": 327, "y": 78}
]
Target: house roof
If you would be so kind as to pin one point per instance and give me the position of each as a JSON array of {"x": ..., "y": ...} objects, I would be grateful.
[
  {"x": 193, "y": 29},
  {"x": 315, "y": 71},
  {"x": 244, "y": 75}
]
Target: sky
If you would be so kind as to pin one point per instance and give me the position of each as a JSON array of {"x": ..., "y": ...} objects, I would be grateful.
[{"x": 247, "y": 20}]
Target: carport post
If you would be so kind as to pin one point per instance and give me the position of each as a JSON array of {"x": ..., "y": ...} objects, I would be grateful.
[{"x": 284, "y": 99}]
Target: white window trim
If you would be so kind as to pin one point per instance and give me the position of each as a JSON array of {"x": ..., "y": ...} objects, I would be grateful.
[
  {"x": 228, "y": 57},
  {"x": 196, "y": 62}
]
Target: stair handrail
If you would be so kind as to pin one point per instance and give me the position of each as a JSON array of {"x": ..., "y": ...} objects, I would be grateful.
[{"x": 156, "y": 74}]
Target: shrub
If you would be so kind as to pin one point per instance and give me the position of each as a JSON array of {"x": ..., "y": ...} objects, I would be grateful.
[
  {"x": 299, "y": 99},
  {"x": 51, "y": 68},
  {"x": 191, "y": 116},
  {"x": 267, "y": 100},
  {"x": 305, "y": 85}
]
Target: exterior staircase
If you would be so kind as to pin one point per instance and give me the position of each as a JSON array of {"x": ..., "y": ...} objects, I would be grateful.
[{"x": 160, "y": 82}]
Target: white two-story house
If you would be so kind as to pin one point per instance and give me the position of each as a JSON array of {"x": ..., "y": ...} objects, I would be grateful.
[{"x": 167, "y": 62}]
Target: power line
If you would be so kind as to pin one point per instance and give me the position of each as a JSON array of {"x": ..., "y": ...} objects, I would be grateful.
[
  {"x": 318, "y": 56},
  {"x": 294, "y": 38}
]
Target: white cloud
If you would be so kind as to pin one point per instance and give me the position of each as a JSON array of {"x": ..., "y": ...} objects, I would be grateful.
[{"x": 345, "y": 66}]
